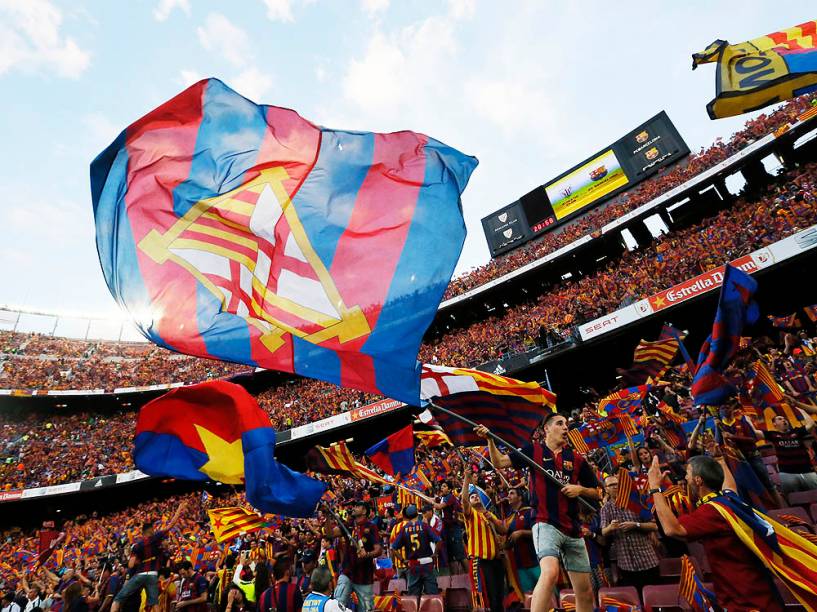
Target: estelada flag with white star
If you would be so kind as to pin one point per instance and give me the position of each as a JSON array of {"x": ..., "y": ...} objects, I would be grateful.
[
  {"x": 243, "y": 232},
  {"x": 216, "y": 431}
]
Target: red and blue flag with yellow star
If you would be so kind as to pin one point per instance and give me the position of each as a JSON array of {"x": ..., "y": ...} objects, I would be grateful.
[
  {"x": 245, "y": 233},
  {"x": 216, "y": 431}
]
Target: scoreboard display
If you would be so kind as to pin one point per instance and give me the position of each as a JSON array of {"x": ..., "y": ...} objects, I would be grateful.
[
  {"x": 631, "y": 159},
  {"x": 506, "y": 229}
]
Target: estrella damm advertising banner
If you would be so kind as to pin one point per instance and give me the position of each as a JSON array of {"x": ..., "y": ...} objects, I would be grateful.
[{"x": 586, "y": 184}]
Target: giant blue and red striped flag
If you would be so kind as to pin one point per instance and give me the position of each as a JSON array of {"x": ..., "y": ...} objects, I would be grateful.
[
  {"x": 510, "y": 408},
  {"x": 243, "y": 232},
  {"x": 735, "y": 309}
]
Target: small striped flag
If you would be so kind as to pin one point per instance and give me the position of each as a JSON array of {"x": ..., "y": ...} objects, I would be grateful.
[
  {"x": 763, "y": 385},
  {"x": 228, "y": 523},
  {"x": 432, "y": 439},
  {"x": 628, "y": 497},
  {"x": 578, "y": 442},
  {"x": 663, "y": 351},
  {"x": 692, "y": 589},
  {"x": 338, "y": 459}
]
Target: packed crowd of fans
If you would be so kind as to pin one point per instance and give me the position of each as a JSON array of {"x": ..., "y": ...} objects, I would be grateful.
[
  {"x": 35, "y": 361},
  {"x": 650, "y": 189},
  {"x": 38, "y": 451},
  {"x": 625, "y": 548},
  {"x": 747, "y": 225},
  {"x": 41, "y": 450}
]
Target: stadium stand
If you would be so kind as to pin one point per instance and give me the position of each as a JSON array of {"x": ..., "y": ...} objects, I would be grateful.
[{"x": 45, "y": 449}]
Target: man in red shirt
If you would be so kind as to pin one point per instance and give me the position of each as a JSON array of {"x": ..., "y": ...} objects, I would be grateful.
[{"x": 740, "y": 579}]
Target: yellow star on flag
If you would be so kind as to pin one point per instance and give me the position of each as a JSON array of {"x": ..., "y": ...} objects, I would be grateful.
[{"x": 225, "y": 459}]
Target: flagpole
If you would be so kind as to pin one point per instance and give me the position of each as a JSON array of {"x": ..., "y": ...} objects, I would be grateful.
[
  {"x": 530, "y": 462},
  {"x": 340, "y": 523}
]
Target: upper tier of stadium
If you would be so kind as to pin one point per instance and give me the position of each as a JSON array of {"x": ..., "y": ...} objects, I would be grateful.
[{"x": 46, "y": 448}]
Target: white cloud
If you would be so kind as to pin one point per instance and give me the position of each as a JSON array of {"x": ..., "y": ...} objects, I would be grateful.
[
  {"x": 100, "y": 130},
  {"x": 373, "y": 7},
  {"x": 224, "y": 38},
  {"x": 400, "y": 67},
  {"x": 462, "y": 9},
  {"x": 279, "y": 10},
  {"x": 252, "y": 83},
  {"x": 31, "y": 40},
  {"x": 510, "y": 105},
  {"x": 165, "y": 7},
  {"x": 187, "y": 77}
]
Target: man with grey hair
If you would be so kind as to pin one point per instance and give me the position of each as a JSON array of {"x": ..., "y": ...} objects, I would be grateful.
[
  {"x": 320, "y": 600},
  {"x": 740, "y": 579}
]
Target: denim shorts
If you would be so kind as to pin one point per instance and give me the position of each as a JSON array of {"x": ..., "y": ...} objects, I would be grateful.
[
  {"x": 149, "y": 582},
  {"x": 550, "y": 542}
]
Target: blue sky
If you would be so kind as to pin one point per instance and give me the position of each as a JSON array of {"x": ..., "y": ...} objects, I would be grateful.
[{"x": 530, "y": 88}]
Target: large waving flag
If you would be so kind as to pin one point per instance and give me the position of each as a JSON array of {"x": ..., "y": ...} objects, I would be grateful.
[
  {"x": 761, "y": 71},
  {"x": 243, "y": 232},
  {"x": 735, "y": 309},
  {"x": 787, "y": 555},
  {"x": 512, "y": 409},
  {"x": 216, "y": 431}
]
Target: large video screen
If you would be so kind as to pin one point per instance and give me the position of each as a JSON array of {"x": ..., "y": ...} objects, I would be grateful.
[
  {"x": 631, "y": 159},
  {"x": 583, "y": 186}
]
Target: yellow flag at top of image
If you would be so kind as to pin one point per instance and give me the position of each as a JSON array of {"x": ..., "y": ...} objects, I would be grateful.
[{"x": 761, "y": 71}]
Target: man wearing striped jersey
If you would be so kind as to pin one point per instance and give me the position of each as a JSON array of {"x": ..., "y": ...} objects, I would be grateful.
[
  {"x": 557, "y": 527},
  {"x": 481, "y": 547}
]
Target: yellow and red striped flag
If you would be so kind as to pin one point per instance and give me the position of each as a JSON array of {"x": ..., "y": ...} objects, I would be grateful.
[
  {"x": 432, "y": 439},
  {"x": 228, "y": 523},
  {"x": 785, "y": 553},
  {"x": 662, "y": 351},
  {"x": 577, "y": 441},
  {"x": 338, "y": 459},
  {"x": 511, "y": 408},
  {"x": 761, "y": 71},
  {"x": 692, "y": 589}
]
